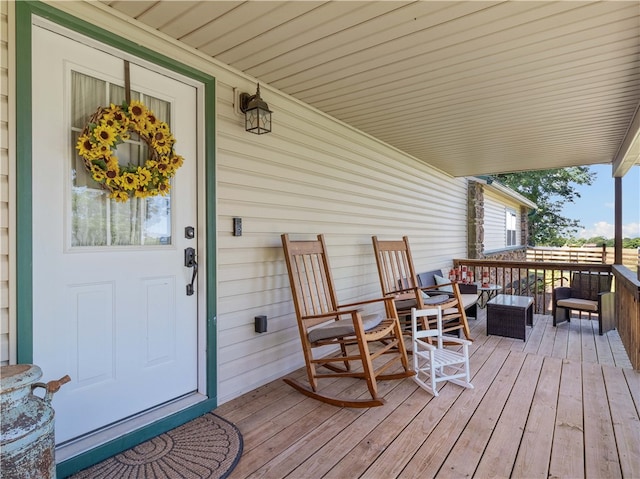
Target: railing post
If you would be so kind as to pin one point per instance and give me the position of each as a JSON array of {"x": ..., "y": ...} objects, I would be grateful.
[{"x": 617, "y": 238}]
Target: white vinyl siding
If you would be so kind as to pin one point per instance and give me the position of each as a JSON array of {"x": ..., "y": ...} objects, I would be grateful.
[
  {"x": 311, "y": 175},
  {"x": 495, "y": 221},
  {"x": 4, "y": 184}
]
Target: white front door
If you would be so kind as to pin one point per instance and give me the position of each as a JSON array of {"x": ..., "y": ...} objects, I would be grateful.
[{"x": 110, "y": 307}]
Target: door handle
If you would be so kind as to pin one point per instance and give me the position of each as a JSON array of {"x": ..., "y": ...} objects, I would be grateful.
[{"x": 190, "y": 262}]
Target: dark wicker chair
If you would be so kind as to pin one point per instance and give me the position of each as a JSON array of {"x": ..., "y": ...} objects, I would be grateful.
[{"x": 586, "y": 293}]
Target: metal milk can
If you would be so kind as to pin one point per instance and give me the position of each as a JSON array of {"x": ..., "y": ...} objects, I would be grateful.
[{"x": 27, "y": 441}]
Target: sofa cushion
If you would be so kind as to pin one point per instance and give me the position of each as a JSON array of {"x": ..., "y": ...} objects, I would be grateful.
[
  {"x": 427, "y": 279},
  {"x": 468, "y": 300},
  {"x": 440, "y": 280},
  {"x": 577, "y": 303}
]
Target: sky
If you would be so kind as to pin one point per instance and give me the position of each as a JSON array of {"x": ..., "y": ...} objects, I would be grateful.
[{"x": 595, "y": 208}]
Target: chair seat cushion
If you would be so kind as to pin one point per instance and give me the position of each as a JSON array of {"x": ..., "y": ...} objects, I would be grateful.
[
  {"x": 577, "y": 303},
  {"x": 406, "y": 304},
  {"x": 343, "y": 327},
  {"x": 406, "y": 301},
  {"x": 438, "y": 299}
]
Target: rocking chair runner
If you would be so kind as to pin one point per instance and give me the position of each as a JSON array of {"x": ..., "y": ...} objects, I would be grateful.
[
  {"x": 398, "y": 280},
  {"x": 434, "y": 363},
  {"x": 324, "y": 322}
]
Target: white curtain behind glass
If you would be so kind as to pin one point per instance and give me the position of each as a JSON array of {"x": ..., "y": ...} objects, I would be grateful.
[{"x": 96, "y": 219}]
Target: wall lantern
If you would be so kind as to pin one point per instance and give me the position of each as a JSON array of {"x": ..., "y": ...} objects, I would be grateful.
[{"x": 257, "y": 116}]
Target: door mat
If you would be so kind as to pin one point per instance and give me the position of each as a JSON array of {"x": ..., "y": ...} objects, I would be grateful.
[{"x": 206, "y": 447}]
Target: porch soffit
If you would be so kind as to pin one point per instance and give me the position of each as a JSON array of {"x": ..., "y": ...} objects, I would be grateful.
[{"x": 469, "y": 87}]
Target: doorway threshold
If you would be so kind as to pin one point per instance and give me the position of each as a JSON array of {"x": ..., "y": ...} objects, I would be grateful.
[{"x": 97, "y": 438}]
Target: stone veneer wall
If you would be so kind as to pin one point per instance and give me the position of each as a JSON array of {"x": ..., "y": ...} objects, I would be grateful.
[
  {"x": 475, "y": 231},
  {"x": 475, "y": 220},
  {"x": 519, "y": 254}
]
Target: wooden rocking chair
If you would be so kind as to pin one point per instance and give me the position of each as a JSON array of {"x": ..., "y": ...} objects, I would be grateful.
[
  {"x": 398, "y": 280},
  {"x": 323, "y": 322}
]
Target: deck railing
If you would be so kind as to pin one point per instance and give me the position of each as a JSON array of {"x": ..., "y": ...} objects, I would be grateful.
[
  {"x": 593, "y": 255},
  {"x": 628, "y": 311},
  {"x": 538, "y": 279},
  {"x": 530, "y": 278}
]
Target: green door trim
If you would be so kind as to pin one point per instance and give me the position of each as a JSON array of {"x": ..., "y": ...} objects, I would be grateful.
[{"x": 24, "y": 249}]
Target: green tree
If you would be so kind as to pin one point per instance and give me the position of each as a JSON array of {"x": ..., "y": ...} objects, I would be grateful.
[
  {"x": 598, "y": 241},
  {"x": 549, "y": 190},
  {"x": 631, "y": 243},
  {"x": 576, "y": 241}
]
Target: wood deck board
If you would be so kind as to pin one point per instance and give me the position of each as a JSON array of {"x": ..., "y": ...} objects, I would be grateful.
[
  {"x": 325, "y": 432},
  {"x": 589, "y": 354},
  {"x": 403, "y": 425},
  {"x": 328, "y": 455},
  {"x": 443, "y": 430},
  {"x": 366, "y": 451},
  {"x": 620, "y": 355},
  {"x": 633, "y": 379},
  {"x": 256, "y": 399},
  {"x": 277, "y": 435},
  {"x": 568, "y": 440},
  {"x": 625, "y": 420},
  {"x": 574, "y": 343},
  {"x": 548, "y": 338},
  {"x": 502, "y": 449},
  {"x": 397, "y": 436},
  {"x": 535, "y": 448},
  {"x": 603, "y": 349},
  {"x": 601, "y": 456},
  {"x": 557, "y": 405},
  {"x": 535, "y": 335},
  {"x": 560, "y": 343},
  {"x": 467, "y": 452}
]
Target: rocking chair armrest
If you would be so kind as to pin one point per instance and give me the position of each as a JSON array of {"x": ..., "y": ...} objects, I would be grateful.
[
  {"x": 433, "y": 286},
  {"x": 334, "y": 314},
  {"x": 436, "y": 288},
  {"x": 463, "y": 342},
  {"x": 366, "y": 301},
  {"x": 402, "y": 292},
  {"x": 328, "y": 315},
  {"x": 426, "y": 345}
]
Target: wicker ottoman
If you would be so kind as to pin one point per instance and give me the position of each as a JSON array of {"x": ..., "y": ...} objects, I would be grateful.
[{"x": 509, "y": 316}]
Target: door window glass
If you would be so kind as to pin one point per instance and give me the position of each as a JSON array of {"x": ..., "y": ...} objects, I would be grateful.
[{"x": 97, "y": 220}]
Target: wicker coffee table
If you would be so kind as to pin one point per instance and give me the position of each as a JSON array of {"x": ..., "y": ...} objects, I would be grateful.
[{"x": 509, "y": 316}]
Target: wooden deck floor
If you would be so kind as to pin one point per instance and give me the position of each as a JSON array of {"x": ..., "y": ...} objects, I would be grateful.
[{"x": 564, "y": 405}]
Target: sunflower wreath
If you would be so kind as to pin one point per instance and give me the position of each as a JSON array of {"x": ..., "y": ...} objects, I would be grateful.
[{"x": 111, "y": 126}]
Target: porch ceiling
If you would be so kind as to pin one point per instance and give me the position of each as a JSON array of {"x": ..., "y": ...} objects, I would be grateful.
[{"x": 469, "y": 87}]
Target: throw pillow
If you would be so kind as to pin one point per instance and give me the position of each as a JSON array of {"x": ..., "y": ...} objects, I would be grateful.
[{"x": 440, "y": 280}]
